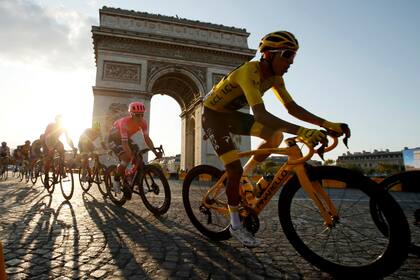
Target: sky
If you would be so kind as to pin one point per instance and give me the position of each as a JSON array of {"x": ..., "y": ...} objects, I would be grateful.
[{"x": 358, "y": 63}]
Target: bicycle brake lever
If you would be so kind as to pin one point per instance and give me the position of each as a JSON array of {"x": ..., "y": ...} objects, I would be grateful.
[
  {"x": 346, "y": 130},
  {"x": 321, "y": 150}
]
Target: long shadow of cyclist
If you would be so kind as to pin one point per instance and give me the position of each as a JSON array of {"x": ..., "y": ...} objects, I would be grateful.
[{"x": 143, "y": 246}]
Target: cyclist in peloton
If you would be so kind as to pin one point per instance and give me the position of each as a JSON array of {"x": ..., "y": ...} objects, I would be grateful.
[
  {"x": 87, "y": 141},
  {"x": 120, "y": 143},
  {"x": 246, "y": 85},
  {"x": 4, "y": 153},
  {"x": 36, "y": 150},
  {"x": 52, "y": 142}
]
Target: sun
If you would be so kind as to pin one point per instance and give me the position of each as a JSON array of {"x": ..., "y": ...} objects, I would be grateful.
[{"x": 75, "y": 124}]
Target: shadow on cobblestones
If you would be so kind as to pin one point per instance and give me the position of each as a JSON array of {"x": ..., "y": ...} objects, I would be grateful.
[{"x": 169, "y": 247}]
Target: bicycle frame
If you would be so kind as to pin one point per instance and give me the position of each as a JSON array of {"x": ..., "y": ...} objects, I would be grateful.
[{"x": 294, "y": 165}]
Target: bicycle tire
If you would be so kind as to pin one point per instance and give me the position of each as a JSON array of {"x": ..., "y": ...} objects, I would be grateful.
[
  {"x": 373, "y": 262},
  {"x": 194, "y": 183},
  {"x": 86, "y": 183},
  {"x": 99, "y": 178},
  {"x": 21, "y": 175},
  {"x": 27, "y": 177},
  {"x": 5, "y": 174},
  {"x": 414, "y": 201},
  {"x": 67, "y": 184},
  {"x": 48, "y": 182},
  {"x": 34, "y": 174},
  {"x": 118, "y": 199},
  {"x": 153, "y": 199}
]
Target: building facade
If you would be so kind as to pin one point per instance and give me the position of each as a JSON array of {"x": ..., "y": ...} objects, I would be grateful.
[{"x": 371, "y": 160}]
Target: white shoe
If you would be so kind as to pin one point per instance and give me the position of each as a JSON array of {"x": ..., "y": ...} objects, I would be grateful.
[
  {"x": 117, "y": 186},
  {"x": 244, "y": 236}
]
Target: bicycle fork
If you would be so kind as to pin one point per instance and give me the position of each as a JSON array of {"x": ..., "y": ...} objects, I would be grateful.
[{"x": 318, "y": 196}]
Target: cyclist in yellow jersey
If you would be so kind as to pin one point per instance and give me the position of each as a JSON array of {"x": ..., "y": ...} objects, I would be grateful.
[{"x": 245, "y": 86}]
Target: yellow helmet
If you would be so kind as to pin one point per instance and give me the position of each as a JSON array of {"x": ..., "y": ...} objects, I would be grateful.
[{"x": 278, "y": 40}]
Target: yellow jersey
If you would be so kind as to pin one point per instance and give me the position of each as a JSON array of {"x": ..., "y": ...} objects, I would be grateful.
[{"x": 244, "y": 86}]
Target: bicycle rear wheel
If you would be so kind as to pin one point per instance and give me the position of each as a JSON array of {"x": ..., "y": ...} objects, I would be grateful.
[
  {"x": 117, "y": 197},
  {"x": 354, "y": 246},
  {"x": 85, "y": 178},
  {"x": 154, "y": 190},
  {"x": 67, "y": 184},
  {"x": 100, "y": 178},
  {"x": 208, "y": 221}
]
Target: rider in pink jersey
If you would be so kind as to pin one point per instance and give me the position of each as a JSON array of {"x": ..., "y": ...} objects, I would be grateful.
[{"x": 120, "y": 138}]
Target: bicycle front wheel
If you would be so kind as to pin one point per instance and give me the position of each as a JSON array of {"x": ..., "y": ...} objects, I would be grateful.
[
  {"x": 208, "y": 220},
  {"x": 99, "y": 178},
  {"x": 154, "y": 190},
  {"x": 85, "y": 178},
  {"x": 115, "y": 194},
  {"x": 67, "y": 184},
  {"x": 354, "y": 246}
]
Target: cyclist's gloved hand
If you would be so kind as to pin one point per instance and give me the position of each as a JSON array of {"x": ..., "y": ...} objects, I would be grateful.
[
  {"x": 339, "y": 128},
  {"x": 311, "y": 136},
  {"x": 158, "y": 154}
]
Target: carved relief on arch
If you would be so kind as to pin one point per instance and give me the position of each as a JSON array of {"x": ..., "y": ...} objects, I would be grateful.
[
  {"x": 115, "y": 112},
  {"x": 157, "y": 66}
]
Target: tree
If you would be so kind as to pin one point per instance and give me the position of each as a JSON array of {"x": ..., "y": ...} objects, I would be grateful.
[{"x": 329, "y": 162}]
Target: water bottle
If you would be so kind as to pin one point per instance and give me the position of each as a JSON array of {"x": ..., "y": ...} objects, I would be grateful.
[
  {"x": 262, "y": 184},
  {"x": 247, "y": 190}
]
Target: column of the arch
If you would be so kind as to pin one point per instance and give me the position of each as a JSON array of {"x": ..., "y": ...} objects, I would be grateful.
[
  {"x": 200, "y": 144},
  {"x": 183, "y": 133}
]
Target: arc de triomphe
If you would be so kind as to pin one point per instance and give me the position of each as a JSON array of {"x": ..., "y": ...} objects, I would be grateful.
[{"x": 140, "y": 54}]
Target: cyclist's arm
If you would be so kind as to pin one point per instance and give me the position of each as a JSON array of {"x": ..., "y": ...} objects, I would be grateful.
[
  {"x": 292, "y": 107},
  {"x": 264, "y": 117},
  {"x": 69, "y": 141},
  {"x": 149, "y": 141},
  {"x": 150, "y": 144},
  {"x": 302, "y": 114}
]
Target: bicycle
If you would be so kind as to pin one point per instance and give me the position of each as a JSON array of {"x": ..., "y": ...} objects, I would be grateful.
[
  {"x": 93, "y": 173},
  {"x": 411, "y": 179},
  {"x": 4, "y": 171},
  {"x": 146, "y": 180},
  {"x": 60, "y": 173},
  {"x": 324, "y": 225},
  {"x": 36, "y": 171}
]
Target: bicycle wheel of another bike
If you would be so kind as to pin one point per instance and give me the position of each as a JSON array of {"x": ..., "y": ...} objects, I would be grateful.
[
  {"x": 409, "y": 184},
  {"x": 209, "y": 221},
  {"x": 67, "y": 184},
  {"x": 48, "y": 181},
  {"x": 85, "y": 178},
  {"x": 115, "y": 195},
  {"x": 100, "y": 179},
  {"x": 34, "y": 175},
  {"x": 5, "y": 173},
  {"x": 354, "y": 246},
  {"x": 154, "y": 190}
]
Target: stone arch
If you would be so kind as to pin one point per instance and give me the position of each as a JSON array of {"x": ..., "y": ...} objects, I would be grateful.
[
  {"x": 139, "y": 54},
  {"x": 177, "y": 82}
]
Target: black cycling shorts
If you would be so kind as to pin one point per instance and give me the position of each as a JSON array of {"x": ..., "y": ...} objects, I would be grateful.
[{"x": 219, "y": 125}]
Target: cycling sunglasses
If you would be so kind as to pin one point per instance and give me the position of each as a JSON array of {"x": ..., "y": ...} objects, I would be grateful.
[
  {"x": 288, "y": 54},
  {"x": 138, "y": 115}
]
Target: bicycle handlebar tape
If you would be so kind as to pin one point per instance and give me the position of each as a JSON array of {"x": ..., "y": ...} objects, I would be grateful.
[{"x": 2, "y": 265}]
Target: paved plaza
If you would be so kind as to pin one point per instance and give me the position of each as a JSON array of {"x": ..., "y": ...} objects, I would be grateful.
[{"x": 45, "y": 237}]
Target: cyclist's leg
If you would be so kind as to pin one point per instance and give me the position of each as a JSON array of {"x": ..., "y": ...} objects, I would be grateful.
[
  {"x": 115, "y": 145},
  {"x": 218, "y": 127},
  {"x": 272, "y": 139}
]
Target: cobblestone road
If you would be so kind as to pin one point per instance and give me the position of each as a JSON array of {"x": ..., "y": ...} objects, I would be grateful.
[{"x": 45, "y": 237}]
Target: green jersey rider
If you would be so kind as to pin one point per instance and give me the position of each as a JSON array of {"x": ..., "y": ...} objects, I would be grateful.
[{"x": 245, "y": 86}]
